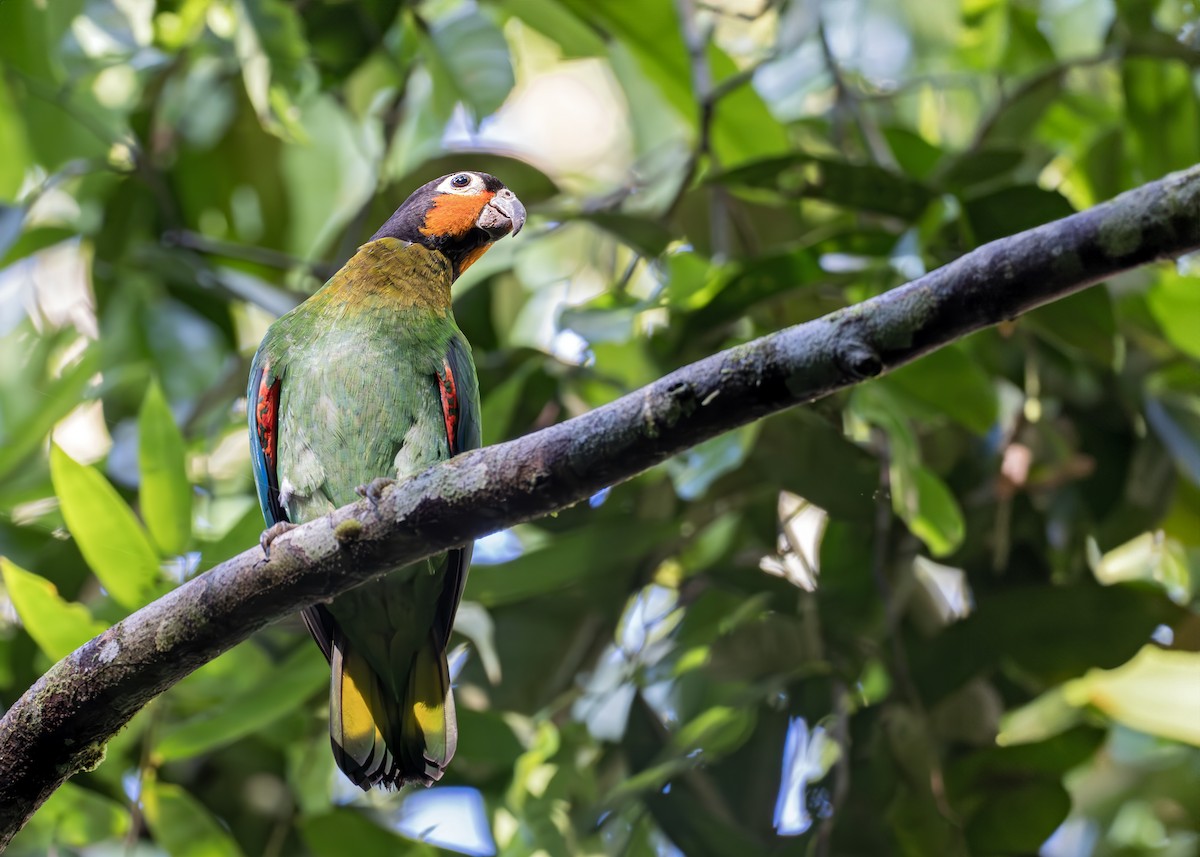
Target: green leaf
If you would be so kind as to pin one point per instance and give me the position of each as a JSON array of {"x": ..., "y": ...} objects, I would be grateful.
[
  {"x": 652, "y": 32},
  {"x": 610, "y": 319},
  {"x": 58, "y": 626},
  {"x": 327, "y": 835},
  {"x": 564, "y": 560},
  {"x": 1158, "y": 692},
  {"x": 242, "y": 535},
  {"x": 285, "y": 688},
  {"x": 1040, "y": 805},
  {"x": 648, "y": 237},
  {"x": 109, "y": 536},
  {"x": 165, "y": 495},
  {"x": 979, "y": 166},
  {"x": 1010, "y": 124},
  {"x": 327, "y": 190},
  {"x": 468, "y": 58},
  {"x": 54, "y": 400},
  {"x": 684, "y": 813},
  {"x": 1175, "y": 418},
  {"x": 1063, "y": 632},
  {"x": 860, "y": 187},
  {"x": 1106, "y": 166},
  {"x": 56, "y": 129},
  {"x": 843, "y": 590},
  {"x": 340, "y": 46},
  {"x": 981, "y": 39},
  {"x": 805, "y": 453},
  {"x": 271, "y": 49},
  {"x": 31, "y": 241},
  {"x": 949, "y": 381},
  {"x": 928, "y": 507},
  {"x": 552, "y": 19},
  {"x": 1162, "y": 121},
  {"x": 1083, "y": 321},
  {"x": 501, "y": 402},
  {"x": 235, "y": 672},
  {"x": 1149, "y": 557},
  {"x": 1027, "y": 48},
  {"x": 418, "y": 138},
  {"x": 918, "y": 826},
  {"x": 915, "y": 155},
  {"x": 14, "y": 143},
  {"x": 1055, "y": 755},
  {"x": 694, "y": 470},
  {"x": 1013, "y": 209},
  {"x": 182, "y": 825},
  {"x": 710, "y": 544},
  {"x": 743, "y": 129},
  {"x": 74, "y": 817},
  {"x": 756, "y": 650},
  {"x": 485, "y": 737},
  {"x": 751, "y": 282},
  {"x": 718, "y": 730},
  {"x": 994, "y": 785},
  {"x": 1045, "y": 717},
  {"x": 651, "y": 779},
  {"x": 1174, "y": 302},
  {"x": 1182, "y": 523},
  {"x": 692, "y": 280}
]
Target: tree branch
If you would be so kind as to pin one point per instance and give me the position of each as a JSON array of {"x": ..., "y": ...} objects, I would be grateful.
[{"x": 59, "y": 727}]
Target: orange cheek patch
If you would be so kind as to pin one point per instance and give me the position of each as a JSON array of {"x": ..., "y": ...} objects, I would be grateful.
[{"x": 454, "y": 215}]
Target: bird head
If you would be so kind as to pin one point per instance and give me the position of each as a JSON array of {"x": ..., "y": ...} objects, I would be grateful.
[{"x": 459, "y": 215}]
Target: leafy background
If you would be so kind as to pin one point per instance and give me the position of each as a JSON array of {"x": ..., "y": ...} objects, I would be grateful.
[{"x": 951, "y": 611}]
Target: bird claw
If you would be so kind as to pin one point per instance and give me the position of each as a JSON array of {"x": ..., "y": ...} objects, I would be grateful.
[
  {"x": 271, "y": 534},
  {"x": 373, "y": 491}
]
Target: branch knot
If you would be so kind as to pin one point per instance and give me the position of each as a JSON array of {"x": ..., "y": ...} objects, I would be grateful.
[{"x": 858, "y": 360}]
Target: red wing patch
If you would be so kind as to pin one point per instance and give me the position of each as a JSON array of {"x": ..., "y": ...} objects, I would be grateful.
[
  {"x": 449, "y": 405},
  {"x": 266, "y": 418}
]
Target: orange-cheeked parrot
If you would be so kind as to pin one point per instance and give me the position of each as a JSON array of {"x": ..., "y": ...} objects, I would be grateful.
[{"x": 370, "y": 378}]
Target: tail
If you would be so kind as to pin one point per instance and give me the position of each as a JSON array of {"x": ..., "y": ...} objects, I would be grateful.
[{"x": 381, "y": 740}]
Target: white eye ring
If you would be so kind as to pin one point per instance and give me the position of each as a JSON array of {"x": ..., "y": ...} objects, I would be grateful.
[{"x": 452, "y": 184}]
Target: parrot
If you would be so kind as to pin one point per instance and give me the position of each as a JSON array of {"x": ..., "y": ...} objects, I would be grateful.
[{"x": 369, "y": 381}]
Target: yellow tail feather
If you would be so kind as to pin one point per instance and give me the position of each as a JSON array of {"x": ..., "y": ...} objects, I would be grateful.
[
  {"x": 355, "y": 712},
  {"x": 431, "y": 703},
  {"x": 379, "y": 740}
]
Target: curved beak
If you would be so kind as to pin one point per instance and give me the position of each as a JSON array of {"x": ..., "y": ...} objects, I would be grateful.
[{"x": 503, "y": 214}]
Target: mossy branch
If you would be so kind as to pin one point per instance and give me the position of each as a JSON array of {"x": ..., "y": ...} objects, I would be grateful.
[{"x": 61, "y": 724}]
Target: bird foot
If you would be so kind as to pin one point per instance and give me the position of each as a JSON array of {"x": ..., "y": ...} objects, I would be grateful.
[
  {"x": 271, "y": 534},
  {"x": 373, "y": 491}
]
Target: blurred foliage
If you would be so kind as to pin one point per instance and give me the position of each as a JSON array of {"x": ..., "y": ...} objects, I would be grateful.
[{"x": 950, "y": 611}]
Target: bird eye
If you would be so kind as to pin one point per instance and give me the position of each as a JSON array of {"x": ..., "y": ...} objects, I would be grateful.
[{"x": 461, "y": 180}]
